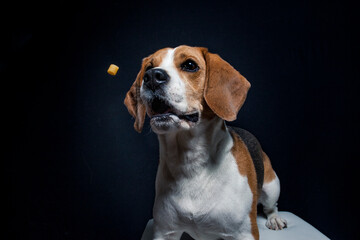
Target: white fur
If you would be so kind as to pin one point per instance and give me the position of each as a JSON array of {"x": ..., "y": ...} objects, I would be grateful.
[
  {"x": 199, "y": 189},
  {"x": 175, "y": 89},
  {"x": 269, "y": 196}
]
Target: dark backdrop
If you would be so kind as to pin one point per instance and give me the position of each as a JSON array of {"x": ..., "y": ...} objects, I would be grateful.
[{"x": 76, "y": 169}]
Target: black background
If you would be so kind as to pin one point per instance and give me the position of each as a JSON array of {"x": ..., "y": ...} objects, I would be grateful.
[{"x": 74, "y": 167}]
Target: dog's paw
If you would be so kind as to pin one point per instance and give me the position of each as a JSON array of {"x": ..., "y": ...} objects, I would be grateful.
[{"x": 276, "y": 223}]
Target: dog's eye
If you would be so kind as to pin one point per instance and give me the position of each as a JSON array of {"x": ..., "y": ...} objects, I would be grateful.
[{"x": 189, "y": 66}]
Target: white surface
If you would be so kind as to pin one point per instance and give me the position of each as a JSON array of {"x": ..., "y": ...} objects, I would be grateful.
[{"x": 297, "y": 229}]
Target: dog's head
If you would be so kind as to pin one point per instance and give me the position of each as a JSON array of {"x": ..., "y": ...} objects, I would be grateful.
[{"x": 179, "y": 88}]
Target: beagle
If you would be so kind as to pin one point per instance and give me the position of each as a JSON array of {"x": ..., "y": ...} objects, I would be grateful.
[{"x": 210, "y": 176}]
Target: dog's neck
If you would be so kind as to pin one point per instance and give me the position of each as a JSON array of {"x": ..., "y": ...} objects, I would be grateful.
[{"x": 185, "y": 154}]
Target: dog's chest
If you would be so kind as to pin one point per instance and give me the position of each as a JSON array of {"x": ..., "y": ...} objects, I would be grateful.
[{"x": 215, "y": 201}]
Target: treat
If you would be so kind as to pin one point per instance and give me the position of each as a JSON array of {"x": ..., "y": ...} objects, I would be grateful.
[{"x": 113, "y": 69}]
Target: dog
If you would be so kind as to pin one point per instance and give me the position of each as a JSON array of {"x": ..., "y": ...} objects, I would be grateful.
[{"x": 210, "y": 176}]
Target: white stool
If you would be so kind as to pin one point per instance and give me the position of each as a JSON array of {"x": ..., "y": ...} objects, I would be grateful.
[{"x": 297, "y": 229}]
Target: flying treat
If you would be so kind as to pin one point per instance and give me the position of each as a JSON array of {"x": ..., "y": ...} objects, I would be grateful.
[{"x": 113, "y": 69}]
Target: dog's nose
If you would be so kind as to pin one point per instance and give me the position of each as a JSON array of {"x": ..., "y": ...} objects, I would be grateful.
[{"x": 155, "y": 77}]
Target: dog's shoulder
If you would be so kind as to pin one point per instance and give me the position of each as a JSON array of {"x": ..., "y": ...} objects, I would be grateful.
[{"x": 255, "y": 150}]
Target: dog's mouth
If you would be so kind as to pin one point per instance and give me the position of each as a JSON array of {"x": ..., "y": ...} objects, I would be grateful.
[{"x": 162, "y": 111}]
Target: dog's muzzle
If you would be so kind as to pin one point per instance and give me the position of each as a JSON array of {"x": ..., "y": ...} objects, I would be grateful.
[{"x": 163, "y": 111}]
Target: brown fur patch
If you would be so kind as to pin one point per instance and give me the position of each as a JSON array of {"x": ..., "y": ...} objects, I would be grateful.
[
  {"x": 135, "y": 106},
  {"x": 247, "y": 168},
  {"x": 269, "y": 173},
  {"x": 225, "y": 88}
]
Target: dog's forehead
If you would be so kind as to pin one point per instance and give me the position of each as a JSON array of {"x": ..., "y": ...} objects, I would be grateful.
[
  {"x": 177, "y": 55},
  {"x": 182, "y": 53},
  {"x": 157, "y": 58}
]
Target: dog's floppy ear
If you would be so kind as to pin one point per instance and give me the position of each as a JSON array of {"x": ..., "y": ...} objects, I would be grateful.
[
  {"x": 133, "y": 101},
  {"x": 225, "y": 88}
]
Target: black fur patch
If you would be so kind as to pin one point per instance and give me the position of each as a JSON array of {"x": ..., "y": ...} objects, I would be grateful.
[{"x": 255, "y": 150}]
